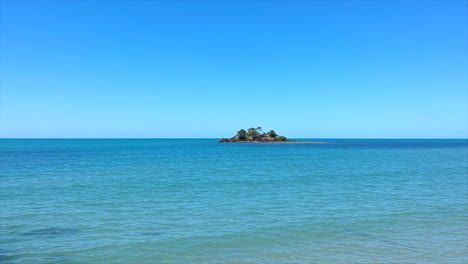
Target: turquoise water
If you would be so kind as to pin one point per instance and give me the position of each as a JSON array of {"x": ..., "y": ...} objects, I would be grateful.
[{"x": 198, "y": 201}]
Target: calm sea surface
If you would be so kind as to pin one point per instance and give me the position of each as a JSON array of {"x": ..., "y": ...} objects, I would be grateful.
[{"x": 199, "y": 201}]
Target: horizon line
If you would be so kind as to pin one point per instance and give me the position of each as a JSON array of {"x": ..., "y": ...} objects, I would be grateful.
[{"x": 219, "y": 137}]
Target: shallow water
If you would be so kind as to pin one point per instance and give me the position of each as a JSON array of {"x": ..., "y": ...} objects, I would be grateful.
[{"x": 198, "y": 201}]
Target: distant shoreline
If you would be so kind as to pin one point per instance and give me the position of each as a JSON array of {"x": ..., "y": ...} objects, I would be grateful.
[{"x": 281, "y": 142}]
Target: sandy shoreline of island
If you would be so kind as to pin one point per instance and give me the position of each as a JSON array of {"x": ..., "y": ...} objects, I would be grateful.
[{"x": 281, "y": 142}]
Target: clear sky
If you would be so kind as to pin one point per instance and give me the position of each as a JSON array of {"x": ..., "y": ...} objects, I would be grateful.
[{"x": 310, "y": 69}]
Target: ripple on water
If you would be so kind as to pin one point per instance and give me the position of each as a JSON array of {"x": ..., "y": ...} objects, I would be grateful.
[{"x": 52, "y": 232}]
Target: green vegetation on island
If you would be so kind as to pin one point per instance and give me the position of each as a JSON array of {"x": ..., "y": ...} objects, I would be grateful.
[{"x": 256, "y": 135}]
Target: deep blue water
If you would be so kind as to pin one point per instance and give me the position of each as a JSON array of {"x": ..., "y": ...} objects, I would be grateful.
[{"x": 199, "y": 201}]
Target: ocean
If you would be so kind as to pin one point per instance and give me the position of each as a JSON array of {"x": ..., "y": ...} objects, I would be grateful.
[{"x": 199, "y": 201}]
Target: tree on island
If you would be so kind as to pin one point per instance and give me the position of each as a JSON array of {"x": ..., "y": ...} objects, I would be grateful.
[
  {"x": 272, "y": 133},
  {"x": 253, "y": 132},
  {"x": 242, "y": 134}
]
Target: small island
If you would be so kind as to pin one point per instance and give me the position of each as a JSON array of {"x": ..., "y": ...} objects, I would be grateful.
[{"x": 256, "y": 135}]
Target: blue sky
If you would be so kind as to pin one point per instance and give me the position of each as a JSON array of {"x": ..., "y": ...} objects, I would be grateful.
[{"x": 310, "y": 69}]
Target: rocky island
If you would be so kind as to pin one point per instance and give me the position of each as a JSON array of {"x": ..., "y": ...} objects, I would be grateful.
[{"x": 256, "y": 135}]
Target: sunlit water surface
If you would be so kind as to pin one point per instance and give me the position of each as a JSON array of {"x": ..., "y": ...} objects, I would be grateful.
[{"x": 199, "y": 201}]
